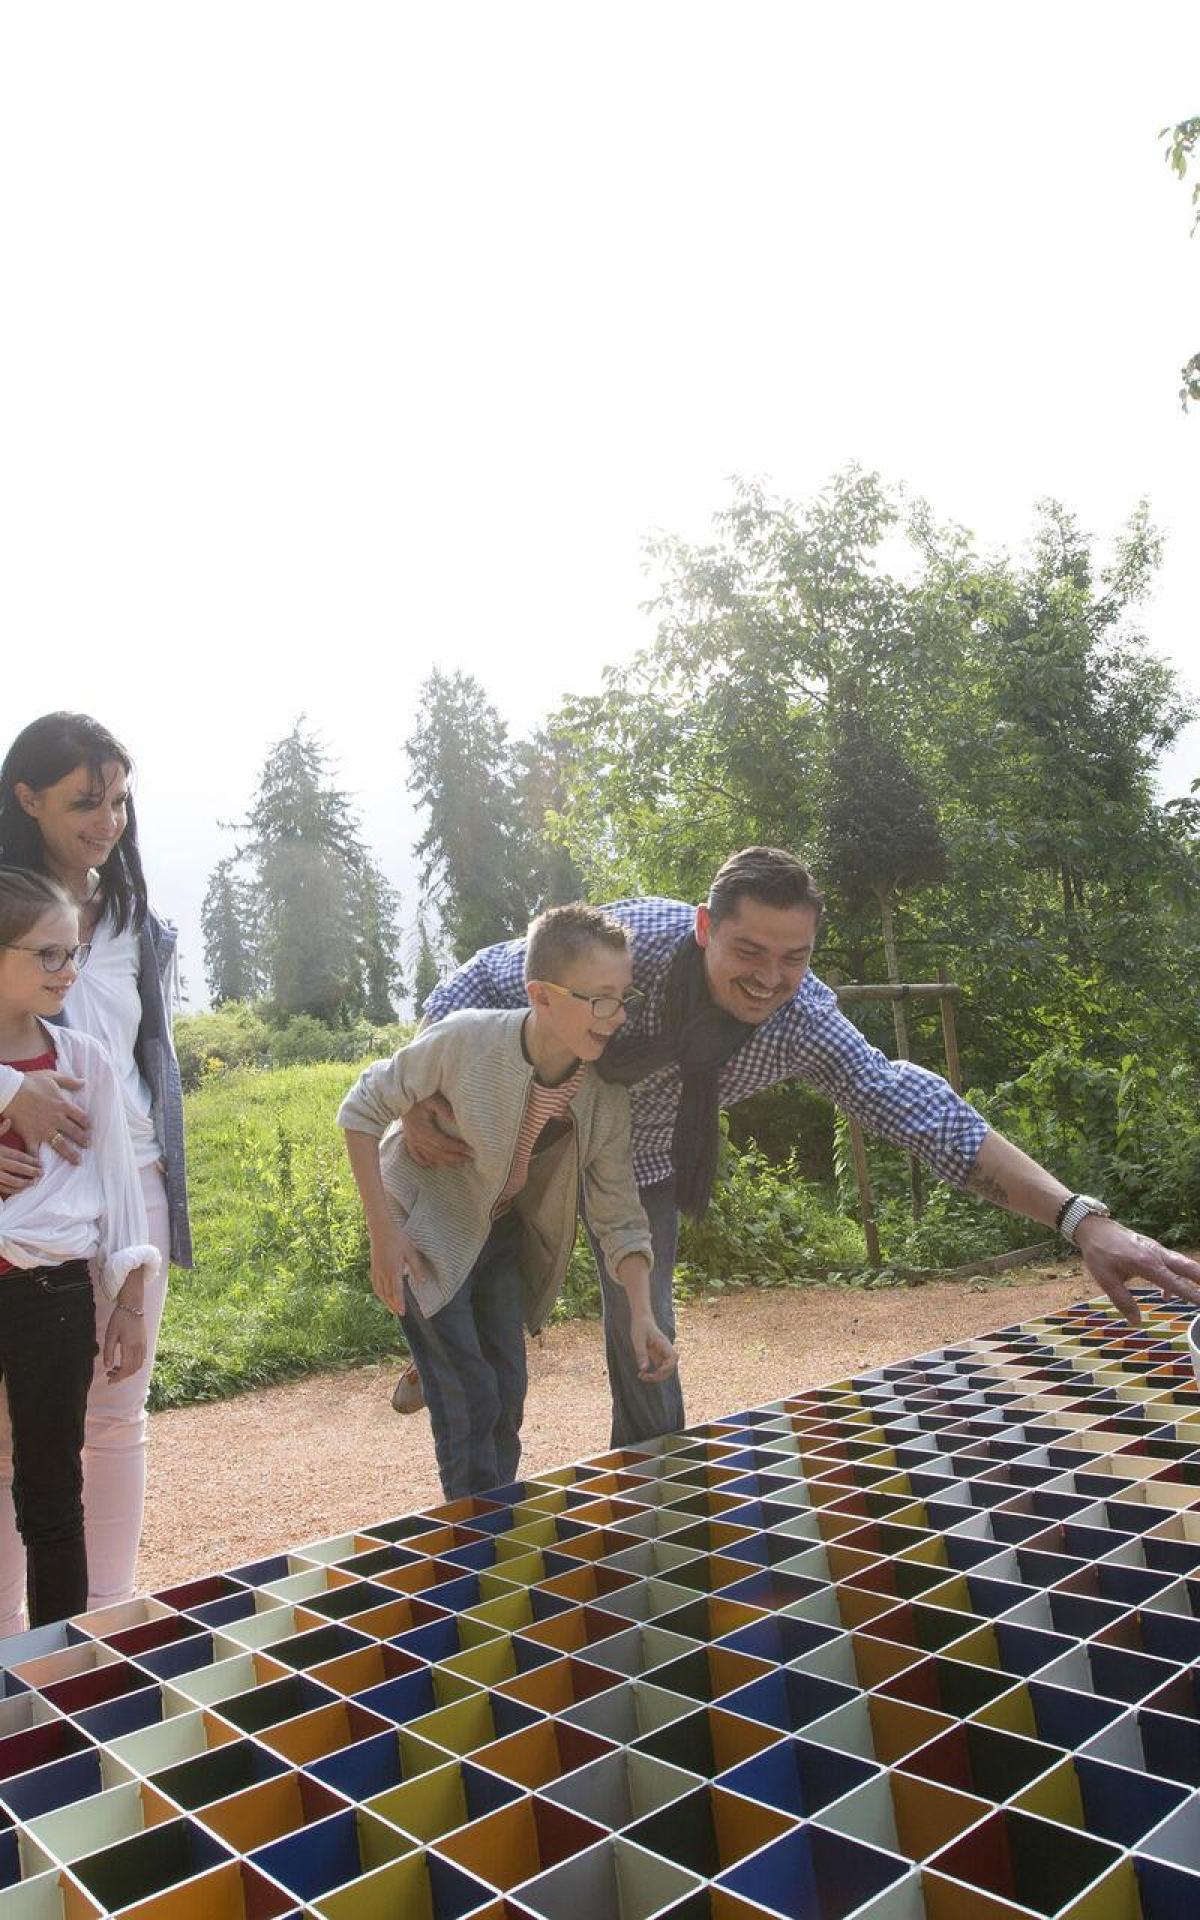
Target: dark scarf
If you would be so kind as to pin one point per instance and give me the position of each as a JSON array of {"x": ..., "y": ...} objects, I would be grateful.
[{"x": 698, "y": 1037}]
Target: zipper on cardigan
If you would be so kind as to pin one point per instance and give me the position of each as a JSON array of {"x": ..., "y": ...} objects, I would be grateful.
[
  {"x": 511, "y": 1159},
  {"x": 575, "y": 1193}
]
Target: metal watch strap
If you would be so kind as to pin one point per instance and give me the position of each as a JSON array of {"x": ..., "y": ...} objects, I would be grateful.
[{"x": 1080, "y": 1207}]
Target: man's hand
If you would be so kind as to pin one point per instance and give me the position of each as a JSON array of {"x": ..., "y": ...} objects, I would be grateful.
[
  {"x": 1114, "y": 1256},
  {"x": 427, "y": 1141},
  {"x": 17, "y": 1171},
  {"x": 655, "y": 1355},
  {"x": 43, "y": 1113},
  {"x": 393, "y": 1258}
]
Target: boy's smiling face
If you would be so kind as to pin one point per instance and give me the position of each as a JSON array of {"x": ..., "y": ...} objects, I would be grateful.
[{"x": 563, "y": 1010}]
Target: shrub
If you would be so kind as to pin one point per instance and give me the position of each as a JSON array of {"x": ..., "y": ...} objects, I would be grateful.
[
  {"x": 1129, "y": 1132},
  {"x": 955, "y": 1227},
  {"x": 1126, "y": 1130},
  {"x": 764, "y": 1227},
  {"x": 791, "y": 1124},
  {"x": 235, "y": 1034},
  {"x": 302, "y": 1040},
  {"x": 241, "y": 1033}
]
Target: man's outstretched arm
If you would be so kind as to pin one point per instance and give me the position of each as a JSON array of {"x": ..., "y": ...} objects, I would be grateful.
[
  {"x": 917, "y": 1110},
  {"x": 1113, "y": 1255}
]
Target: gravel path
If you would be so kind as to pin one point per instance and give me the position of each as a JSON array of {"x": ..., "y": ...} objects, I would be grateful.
[{"x": 245, "y": 1477}]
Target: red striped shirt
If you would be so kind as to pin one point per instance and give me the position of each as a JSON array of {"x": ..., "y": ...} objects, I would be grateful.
[{"x": 543, "y": 1105}]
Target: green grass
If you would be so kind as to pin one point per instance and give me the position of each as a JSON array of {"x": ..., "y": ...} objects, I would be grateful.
[{"x": 281, "y": 1286}]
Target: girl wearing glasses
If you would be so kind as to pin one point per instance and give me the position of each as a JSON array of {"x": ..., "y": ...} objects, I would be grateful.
[
  {"x": 66, "y": 811},
  {"x": 50, "y": 1229}
]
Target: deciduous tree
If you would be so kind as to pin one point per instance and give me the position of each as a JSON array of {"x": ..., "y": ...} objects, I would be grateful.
[{"x": 1183, "y": 142}]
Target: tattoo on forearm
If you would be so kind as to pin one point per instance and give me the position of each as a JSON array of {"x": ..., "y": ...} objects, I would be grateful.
[{"x": 988, "y": 1188}]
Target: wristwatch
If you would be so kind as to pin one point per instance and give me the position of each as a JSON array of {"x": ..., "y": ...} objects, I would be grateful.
[{"x": 1077, "y": 1209}]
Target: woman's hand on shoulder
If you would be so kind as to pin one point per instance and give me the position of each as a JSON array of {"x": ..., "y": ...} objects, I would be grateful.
[
  {"x": 44, "y": 1113},
  {"x": 17, "y": 1170}
]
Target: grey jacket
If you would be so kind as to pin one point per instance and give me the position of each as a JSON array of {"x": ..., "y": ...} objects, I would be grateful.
[{"x": 477, "y": 1061}]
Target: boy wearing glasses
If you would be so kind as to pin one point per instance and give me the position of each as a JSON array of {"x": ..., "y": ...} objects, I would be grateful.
[{"x": 470, "y": 1256}]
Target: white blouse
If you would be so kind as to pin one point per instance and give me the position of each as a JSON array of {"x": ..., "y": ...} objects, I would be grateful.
[
  {"x": 91, "y": 1211},
  {"x": 104, "y": 1002}
]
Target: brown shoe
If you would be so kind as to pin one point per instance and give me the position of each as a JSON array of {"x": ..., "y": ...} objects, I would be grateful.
[{"x": 409, "y": 1395}]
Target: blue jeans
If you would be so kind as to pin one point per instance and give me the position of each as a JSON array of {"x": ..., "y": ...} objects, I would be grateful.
[
  {"x": 471, "y": 1359},
  {"x": 641, "y": 1411}
]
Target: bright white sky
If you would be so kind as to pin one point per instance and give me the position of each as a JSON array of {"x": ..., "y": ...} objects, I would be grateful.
[{"x": 341, "y": 341}]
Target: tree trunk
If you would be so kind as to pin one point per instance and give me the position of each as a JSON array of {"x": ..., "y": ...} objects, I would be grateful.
[
  {"x": 900, "y": 1021},
  {"x": 1071, "y": 901},
  {"x": 899, "y": 1016}
]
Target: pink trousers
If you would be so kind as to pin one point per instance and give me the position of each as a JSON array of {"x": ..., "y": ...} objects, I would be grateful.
[{"x": 114, "y": 1454}]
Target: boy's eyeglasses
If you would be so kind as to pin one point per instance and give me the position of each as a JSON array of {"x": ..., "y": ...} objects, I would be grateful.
[
  {"x": 605, "y": 1006},
  {"x": 54, "y": 959}
]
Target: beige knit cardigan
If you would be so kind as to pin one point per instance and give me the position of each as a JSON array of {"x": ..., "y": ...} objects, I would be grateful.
[{"x": 475, "y": 1058}]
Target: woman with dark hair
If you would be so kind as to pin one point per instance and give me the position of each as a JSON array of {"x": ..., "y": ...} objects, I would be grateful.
[{"x": 66, "y": 810}]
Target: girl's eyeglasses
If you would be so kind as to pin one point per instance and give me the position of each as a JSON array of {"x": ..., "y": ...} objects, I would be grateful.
[
  {"x": 604, "y": 1006},
  {"x": 54, "y": 959}
]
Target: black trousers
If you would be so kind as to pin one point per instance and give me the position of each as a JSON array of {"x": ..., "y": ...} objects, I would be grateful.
[{"x": 47, "y": 1349}]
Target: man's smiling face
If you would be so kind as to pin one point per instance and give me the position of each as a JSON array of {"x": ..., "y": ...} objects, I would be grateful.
[{"x": 756, "y": 956}]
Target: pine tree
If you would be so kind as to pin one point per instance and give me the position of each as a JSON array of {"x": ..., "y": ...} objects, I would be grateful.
[
  {"x": 229, "y": 925},
  {"x": 551, "y": 876},
  {"x": 378, "y": 906},
  {"x": 462, "y": 773},
  {"x": 325, "y": 917},
  {"x": 304, "y": 845},
  {"x": 426, "y": 975}
]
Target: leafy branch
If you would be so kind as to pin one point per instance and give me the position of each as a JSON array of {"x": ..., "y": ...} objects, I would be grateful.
[{"x": 1182, "y": 141}]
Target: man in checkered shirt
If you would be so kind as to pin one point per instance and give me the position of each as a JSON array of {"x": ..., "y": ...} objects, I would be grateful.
[{"x": 748, "y": 948}]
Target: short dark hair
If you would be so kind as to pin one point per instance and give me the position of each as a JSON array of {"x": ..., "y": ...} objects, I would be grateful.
[
  {"x": 24, "y": 897},
  {"x": 563, "y": 935},
  {"x": 767, "y": 874}
]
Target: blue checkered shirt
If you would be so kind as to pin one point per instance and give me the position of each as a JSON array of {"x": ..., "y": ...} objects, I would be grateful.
[{"x": 808, "y": 1039}]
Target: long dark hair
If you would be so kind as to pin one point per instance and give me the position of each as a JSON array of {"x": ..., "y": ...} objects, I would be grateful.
[{"x": 44, "y": 753}]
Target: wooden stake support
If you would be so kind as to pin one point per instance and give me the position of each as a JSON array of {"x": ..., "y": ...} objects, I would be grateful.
[{"x": 866, "y": 1200}]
